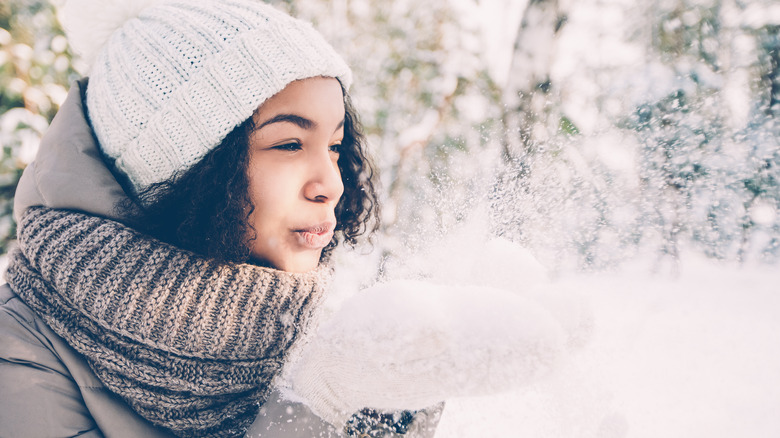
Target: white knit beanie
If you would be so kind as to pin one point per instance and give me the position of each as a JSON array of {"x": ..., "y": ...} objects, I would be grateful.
[{"x": 175, "y": 77}]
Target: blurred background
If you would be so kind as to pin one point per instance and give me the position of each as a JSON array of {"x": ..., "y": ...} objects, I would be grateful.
[
  {"x": 590, "y": 132},
  {"x": 606, "y": 142}
]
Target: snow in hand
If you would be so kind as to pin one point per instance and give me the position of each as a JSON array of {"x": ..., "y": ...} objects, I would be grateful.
[{"x": 409, "y": 344}]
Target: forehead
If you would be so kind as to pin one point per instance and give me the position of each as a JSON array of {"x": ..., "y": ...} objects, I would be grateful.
[{"x": 318, "y": 99}]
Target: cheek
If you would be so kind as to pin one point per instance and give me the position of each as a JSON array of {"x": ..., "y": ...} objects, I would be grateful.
[
  {"x": 262, "y": 196},
  {"x": 273, "y": 195},
  {"x": 264, "y": 183}
]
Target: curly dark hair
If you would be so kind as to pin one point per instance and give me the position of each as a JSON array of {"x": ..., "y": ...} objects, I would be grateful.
[{"x": 206, "y": 208}]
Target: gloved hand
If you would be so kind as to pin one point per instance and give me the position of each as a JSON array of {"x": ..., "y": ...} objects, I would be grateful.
[{"x": 411, "y": 344}]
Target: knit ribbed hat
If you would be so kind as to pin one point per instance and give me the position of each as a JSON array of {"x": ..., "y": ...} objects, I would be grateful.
[{"x": 173, "y": 81}]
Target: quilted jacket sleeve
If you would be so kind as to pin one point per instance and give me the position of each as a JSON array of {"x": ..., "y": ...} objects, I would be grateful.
[{"x": 40, "y": 398}]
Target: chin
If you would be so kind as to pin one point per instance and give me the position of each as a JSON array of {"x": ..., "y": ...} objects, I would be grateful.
[
  {"x": 310, "y": 264},
  {"x": 300, "y": 267}
]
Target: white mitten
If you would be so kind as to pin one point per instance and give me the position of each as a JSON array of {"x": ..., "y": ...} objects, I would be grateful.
[{"x": 411, "y": 344}]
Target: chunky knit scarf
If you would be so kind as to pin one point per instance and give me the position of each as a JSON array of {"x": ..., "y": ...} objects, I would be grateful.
[{"x": 190, "y": 344}]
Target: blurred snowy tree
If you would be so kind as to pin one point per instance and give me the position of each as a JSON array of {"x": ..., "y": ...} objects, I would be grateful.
[
  {"x": 530, "y": 107},
  {"x": 761, "y": 182},
  {"x": 35, "y": 69},
  {"x": 707, "y": 168}
]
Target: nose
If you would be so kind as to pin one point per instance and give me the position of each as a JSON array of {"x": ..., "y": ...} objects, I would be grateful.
[{"x": 324, "y": 182}]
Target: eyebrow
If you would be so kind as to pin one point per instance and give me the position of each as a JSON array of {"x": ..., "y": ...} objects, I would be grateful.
[{"x": 302, "y": 122}]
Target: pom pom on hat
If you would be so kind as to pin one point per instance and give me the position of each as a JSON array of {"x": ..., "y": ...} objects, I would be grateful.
[
  {"x": 171, "y": 78},
  {"x": 90, "y": 23}
]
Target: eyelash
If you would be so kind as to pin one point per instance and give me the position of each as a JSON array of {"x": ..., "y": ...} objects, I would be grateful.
[{"x": 288, "y": 147}]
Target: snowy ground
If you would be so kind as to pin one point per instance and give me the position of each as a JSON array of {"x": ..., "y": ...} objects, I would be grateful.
[{"x": 695, "y": 356}]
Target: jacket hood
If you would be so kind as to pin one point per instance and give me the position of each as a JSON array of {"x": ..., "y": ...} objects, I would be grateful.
[{"x": 69, "y": 171}]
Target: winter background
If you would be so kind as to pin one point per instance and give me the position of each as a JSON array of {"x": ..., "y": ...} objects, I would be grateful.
[{"x": 624, "y": 151}]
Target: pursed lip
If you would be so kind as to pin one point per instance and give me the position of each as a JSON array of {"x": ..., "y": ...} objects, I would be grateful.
[{"x": 316, "y": 236}]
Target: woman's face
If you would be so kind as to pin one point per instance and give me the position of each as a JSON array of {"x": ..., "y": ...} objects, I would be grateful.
[{"x": 294, "y": 178}]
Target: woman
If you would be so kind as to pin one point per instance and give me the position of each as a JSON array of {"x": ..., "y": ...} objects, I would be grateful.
[{"x": 174, "y": 226}]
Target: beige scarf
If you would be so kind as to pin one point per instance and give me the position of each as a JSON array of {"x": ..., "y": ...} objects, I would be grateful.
[{"x": 190, "y": 344}]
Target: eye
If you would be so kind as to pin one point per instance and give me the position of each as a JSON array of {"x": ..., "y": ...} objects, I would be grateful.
[
  {"x": 293, "y": 146},
  {"x": 336, "y": 147}
]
